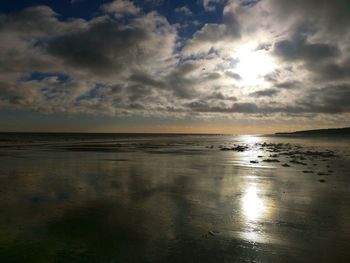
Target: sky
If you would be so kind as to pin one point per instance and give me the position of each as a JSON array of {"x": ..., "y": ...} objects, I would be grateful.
[{"x": 201, "y": 66}]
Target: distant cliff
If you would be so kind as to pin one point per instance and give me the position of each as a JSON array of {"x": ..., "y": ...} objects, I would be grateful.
[{"x": 320, "y": 132}]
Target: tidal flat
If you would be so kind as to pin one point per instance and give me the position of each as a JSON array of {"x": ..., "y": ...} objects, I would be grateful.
[{"x": 174, "y": 198}]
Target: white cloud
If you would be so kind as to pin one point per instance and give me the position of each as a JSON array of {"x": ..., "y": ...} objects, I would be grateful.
[
  {"x": 210, "y": 5},
  {"x": 121, "y": 7},
  {"x": 184, "y": 10}
]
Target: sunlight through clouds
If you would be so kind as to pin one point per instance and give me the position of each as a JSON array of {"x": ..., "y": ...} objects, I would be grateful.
[
  {"x": 253, "y": 64},
  {"x": 241, "y": 61}
]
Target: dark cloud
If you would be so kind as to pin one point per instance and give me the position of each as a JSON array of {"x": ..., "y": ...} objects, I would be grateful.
[
  {"x": 205, "y": 107},
  {"x": 176, "y": 81},
  {"x": 180, "y": 83},
  {"x": 264, "y": 46},
  {"x": 146, "y": 80},
  {"x": 288, "y": 85},
  {"x": 332, "y": 17},
  {"x": 22, "y": 35},
  {"x": 213, "y": 76},
  {"x": 265, "y": 93},
  {"x": 232, "y": 24},
  {"x": 328, "y": 100},
  {"x": 138, "y": 92},
  {"x": 331, "y": 70},
  {"x": 245, "y": 108},
  {"x": 233, "y": 75},
  {"x": 106, "y": 47},
  {"x": 220, "y": 96},
  {"x": 299, "y": 49},
  {"x": 33, "y": 20},
  {"x": 331, "y": 99},
  {"x": 272, "y": 76},
  {"x": 186, "y": 68},
  {"x": 89, "y": 53}
]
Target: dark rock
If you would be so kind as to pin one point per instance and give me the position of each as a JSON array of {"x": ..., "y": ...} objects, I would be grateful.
[
  {"x": 213, "y": 233},
  {"x": 225, "y": 149},
  {"x": 271, "y": 161},
  {"x": 297, "y": 162},
  {"x": 239, "y": 148}
]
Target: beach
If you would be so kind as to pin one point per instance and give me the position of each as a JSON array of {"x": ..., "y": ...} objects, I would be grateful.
[{"x": 174, "y": 198}]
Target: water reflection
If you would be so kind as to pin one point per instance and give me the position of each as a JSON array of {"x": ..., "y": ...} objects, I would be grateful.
[
  {"x": 253, "y": 208},
  {"x": 252, "y": 205},
  {"x": 250, "y": 139},
  {"x": 167, "y": 207}
]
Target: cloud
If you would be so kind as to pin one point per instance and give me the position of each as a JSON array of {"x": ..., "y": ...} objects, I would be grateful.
[
  {"x": 107, "y": 47},
  {"x": 330, "y": 99},
  {"x": 299, "y": 49},
  {"x": 120, "y": 8},
  {"x": 331, "y": 71},
  {"x": 288, "y": 84},
  {"x": 180, "y": 81},
  {"x": 216, "y": 32},
  {"x": 32, "y": 21},
  {"x": 204, "y": 107},
  {"x": 212, "y": 34},
  {"x": 233, "y": 75},
  {"x": 184, "y": 10},
  {"x": 128, "y": 61},
  {"x": 217, "y": 95},
  {"x": 330, "y": 18},
  {"x": 265, "y": 93},
  {"x": 101, "y": 50},
  {"x": 210, "y": 5}
]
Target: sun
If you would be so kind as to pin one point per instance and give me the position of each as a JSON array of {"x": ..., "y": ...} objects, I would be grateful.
[{"x": 253, "y": 64}]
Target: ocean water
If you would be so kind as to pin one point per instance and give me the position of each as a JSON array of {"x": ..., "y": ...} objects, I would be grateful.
[{"x": 173, "y": 198}]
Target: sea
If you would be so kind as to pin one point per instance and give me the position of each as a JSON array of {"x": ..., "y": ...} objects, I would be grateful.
[{"x": 79, "y": 197}]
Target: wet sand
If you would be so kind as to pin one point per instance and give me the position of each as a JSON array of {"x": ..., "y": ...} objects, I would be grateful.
[{"x": 110, "y": 198}]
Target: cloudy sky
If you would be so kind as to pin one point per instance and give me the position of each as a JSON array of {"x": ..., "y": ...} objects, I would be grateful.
[{"x": 208, "y": 66}]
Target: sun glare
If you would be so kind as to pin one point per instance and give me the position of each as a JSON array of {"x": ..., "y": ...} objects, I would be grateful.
[
  {"x": 252, "y": 204},
  {"x": 253, "y": 64}
]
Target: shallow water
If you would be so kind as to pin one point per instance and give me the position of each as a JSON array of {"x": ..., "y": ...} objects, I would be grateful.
[{"x": 139, "y": 198}]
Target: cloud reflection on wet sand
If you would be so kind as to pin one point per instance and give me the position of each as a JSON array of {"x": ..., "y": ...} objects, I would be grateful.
[{"x": 145, "y": 204}]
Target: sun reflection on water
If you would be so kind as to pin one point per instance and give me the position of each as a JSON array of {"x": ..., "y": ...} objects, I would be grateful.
[
  {"x": 252, "y": 205},
  {"x": 250, "y": 139}
]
